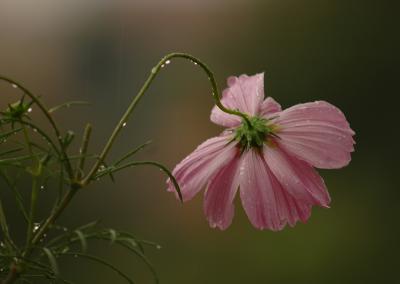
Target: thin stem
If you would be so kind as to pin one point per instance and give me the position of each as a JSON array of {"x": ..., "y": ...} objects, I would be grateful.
[
  {"x": 17, "y": 194},
  {"x": 49, "y": 118},
  {"x": 4, "y": 228},
  {"x": 56, "y": 213},
  {"x": 60, "y": 187},
  {"x": 28, "y": 142},
  {"x": 34, "y": 198},
  {"x": 137, "y": 98},
  {"x": 131, "y": 153},
  {"x": 99, "y": 260},
  {"x": 138, "y": 163},
  {"x": 83, "y": 150},
  {"x": 35, "y": 172},
  {"x": 44, "y": 136},
  {"x": 12, "y": 275}
]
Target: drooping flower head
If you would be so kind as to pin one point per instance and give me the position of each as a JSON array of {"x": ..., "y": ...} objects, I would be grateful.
[{"x": 269, "y": 157}]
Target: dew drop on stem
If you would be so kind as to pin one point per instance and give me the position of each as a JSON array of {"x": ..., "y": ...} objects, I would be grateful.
[{"x": 36, "y": 226}]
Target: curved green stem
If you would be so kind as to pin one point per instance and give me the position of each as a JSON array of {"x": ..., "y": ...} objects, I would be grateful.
[
  {"x": 49, "y": 118},
  {"x": 165, "y": 60},
  {"x": 44, "y": 136},
  {"x": 140, "y": 163},
  {"x": 99, "y": 260}
]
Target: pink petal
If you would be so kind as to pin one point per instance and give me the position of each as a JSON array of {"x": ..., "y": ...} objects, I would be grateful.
[
  {"x": 269, "y": 107},
  {"x": 297, "y": 177},
  {"x": 219, "y": 196},
  {"x": 293, "y": 210},
  {"x": 290, "y": 209},
  {"x": 317, "y": 133},
  {"x": 258, "y": 190},
  {"x": 245, "y": 94},
  {"x": 193, "y": 173}
]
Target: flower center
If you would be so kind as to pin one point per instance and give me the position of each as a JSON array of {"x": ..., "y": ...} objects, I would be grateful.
[{"x": 255, "y": 133}]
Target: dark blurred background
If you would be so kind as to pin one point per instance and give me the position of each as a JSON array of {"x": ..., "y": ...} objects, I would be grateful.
[{"x": 345, "y": 52}]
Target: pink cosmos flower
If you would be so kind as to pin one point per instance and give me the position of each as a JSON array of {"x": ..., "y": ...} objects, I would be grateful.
[{"x": 270, "y": 160}]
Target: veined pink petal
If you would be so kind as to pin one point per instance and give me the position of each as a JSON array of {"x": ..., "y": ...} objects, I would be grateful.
[
  {"x": 317, "y": 133},
  {"x": 193, "y": 173},
  {"x": 245, "y": 94},
  {"x": 290, "y": 209},
  {"x": 297, "y": 177},
  {"x": 258, "y": 190},
  {"x": 269, "y": 107},
  {"x": 219, "y": 196},
  {"x": 294, "y": 210}
]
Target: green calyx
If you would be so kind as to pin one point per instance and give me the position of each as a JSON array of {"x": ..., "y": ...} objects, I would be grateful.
[
  {"x": 17, "y": 110},
  {"x": 254, "y": 132}
]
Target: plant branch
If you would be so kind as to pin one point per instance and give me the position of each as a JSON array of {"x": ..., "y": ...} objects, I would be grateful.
[
  {"x": 138, "y": 97},
  {"x": 49, "y": 118}
]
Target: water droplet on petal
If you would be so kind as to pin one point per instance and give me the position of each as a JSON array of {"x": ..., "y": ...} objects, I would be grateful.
[
  {"x": 168, "y": 62},
  {"x": 154, "y": 70},
  {"x": 124, "y": 124},
  {"x": 14, "y": 86},
  {"x": 30, "y": 109},
  {"x": 163, "y": 65}
]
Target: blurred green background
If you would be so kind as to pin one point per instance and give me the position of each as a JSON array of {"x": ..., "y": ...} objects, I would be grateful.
[{"x": 345, "y": 52}]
